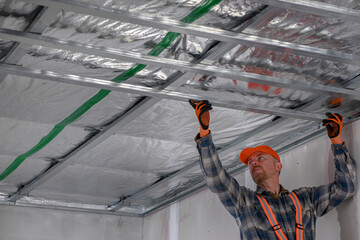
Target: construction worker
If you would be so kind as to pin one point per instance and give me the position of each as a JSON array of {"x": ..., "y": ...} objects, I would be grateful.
[{"x": 272, "y": 212}]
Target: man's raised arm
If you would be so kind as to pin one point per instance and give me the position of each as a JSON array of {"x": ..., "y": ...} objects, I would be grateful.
[
  {"x": 327, "y": 197},
  {"x": 217, "y": 179}
]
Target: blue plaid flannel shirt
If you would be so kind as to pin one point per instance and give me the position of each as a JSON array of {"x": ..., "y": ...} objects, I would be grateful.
[{"x": 244, "y": 206}]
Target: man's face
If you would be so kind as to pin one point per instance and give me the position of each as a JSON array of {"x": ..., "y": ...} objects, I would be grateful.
[{"x": 263, "y": 166}]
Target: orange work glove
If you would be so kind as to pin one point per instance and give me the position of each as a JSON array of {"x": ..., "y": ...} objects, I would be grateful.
[
  {"x": 202, "y": 109},
  {"x": 334, "y": 126}
]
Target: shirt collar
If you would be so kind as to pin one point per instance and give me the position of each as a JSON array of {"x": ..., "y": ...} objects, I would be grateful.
[{"x": 261, "y": 191}]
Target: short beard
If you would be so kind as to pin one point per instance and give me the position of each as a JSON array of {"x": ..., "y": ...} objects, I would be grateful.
[{"x": 260, "y": 178}]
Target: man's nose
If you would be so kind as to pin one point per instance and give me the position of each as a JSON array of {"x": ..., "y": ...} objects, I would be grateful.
[{"x": 254, "y": 162}]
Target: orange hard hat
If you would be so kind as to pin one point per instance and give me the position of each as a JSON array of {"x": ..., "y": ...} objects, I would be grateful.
[{"x": 246, "y": 153}]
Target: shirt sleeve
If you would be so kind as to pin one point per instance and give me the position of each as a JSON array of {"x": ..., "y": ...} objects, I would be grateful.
[
  {"x": 217, "y": 179},
  {"x": 327, "y": 197}
]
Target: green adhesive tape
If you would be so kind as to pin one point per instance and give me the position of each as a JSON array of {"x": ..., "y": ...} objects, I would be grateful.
[{"x": 160, "y": 47}]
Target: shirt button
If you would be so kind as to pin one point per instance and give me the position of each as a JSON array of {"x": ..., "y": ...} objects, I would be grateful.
[{"x": 288, "y": 229}]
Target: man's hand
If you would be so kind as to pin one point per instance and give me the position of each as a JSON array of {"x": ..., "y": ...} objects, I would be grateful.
[
  {"x": 334, "y": 126},
  {"x": 202, "y": 109}
]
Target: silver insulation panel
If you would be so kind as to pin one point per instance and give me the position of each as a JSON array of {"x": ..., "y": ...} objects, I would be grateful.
[{"x": 132, "y": 153}]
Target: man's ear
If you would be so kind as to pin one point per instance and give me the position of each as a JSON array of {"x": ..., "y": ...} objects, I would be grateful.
[{"x": 278, "y": 166}]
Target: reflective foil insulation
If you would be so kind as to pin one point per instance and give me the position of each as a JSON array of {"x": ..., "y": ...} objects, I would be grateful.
[{"x": 98, "y": 131}]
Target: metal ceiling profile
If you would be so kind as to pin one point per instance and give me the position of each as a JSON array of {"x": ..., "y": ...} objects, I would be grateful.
[
  {"x": 166, "y": 94},
  {"x": 112, "y": 85},
  {"x": 183, "y": 65}
]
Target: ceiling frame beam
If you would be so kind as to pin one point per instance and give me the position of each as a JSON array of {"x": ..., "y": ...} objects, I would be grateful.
[
  {"x": 176, "y": 64},
  {"x": 150, "y": 92},
  {"x": 317, "y": 8},
  {"x": 69, "y": 208}
]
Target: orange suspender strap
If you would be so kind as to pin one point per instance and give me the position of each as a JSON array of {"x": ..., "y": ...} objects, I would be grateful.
[
  {"x": 299, "y": 225},
  {"x": 275, "y": 225},
  {"x": 271, "y": 217}
]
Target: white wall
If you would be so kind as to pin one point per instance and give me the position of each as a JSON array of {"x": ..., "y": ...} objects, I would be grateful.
[
  {"x": 202, "y": 216},
  {"x": 20, "y": 223},
  {"x": 349, "y": 214}
]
